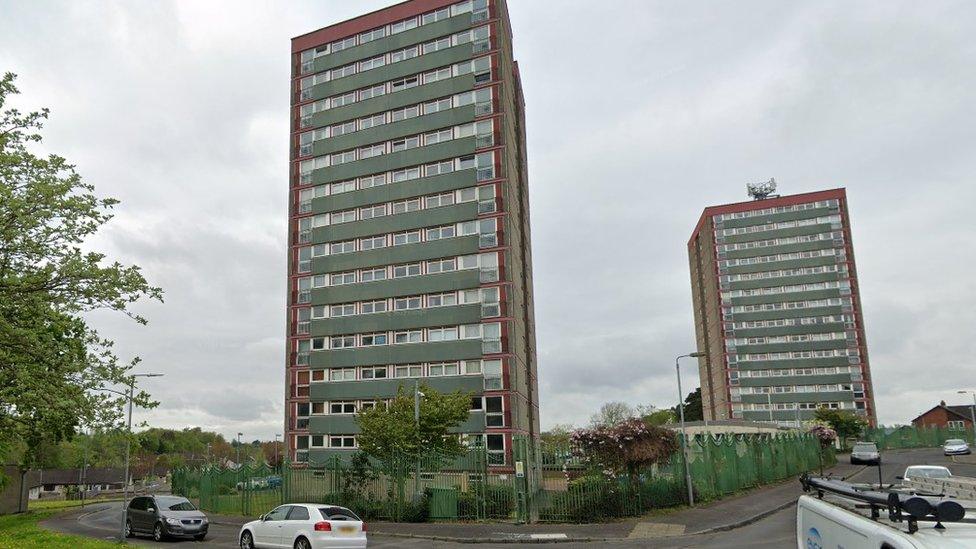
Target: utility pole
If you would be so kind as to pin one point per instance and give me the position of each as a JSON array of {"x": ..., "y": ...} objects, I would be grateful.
[
  {"x": 128, "y": 442},
  {"x": 684, "y": 433}
]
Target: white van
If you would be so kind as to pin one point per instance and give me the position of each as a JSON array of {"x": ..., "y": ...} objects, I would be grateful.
[{"x": 841, "y": 517}]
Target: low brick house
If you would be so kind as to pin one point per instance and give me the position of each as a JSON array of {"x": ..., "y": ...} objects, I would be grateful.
[{"x": 942, "y": 415}]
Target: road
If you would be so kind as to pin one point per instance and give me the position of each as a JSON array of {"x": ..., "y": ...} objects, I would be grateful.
[{"x": 775, "y": 531}]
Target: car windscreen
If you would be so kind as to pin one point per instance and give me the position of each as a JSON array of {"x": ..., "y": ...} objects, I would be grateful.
[
  {"x": 865, "y": 448},
  {"x": 926, "y": 472},
  {"x": 337, "y": 513},
  {"x": 176, "y": 504},
  {"x": 954, "y": 442}
]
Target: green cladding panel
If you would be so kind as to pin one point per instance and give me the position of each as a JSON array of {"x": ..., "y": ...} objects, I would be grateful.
[
  {"x": 396, "y": 191},
  {"x": 785, "y": 264},
  {"x": 783, "y": 281},
  {"x": 795, "y": 346},
  {"x": 387, "y": 388},
  {"x": 787, "y": 313},
  {"x": 791, "y": 330},
  {"x": 782, "y": 249},
  {"x": 801, "y": 363},
  {"x": 423, "y": 33},
  {"x": 397, "y": 354},
  {"x": 777, "y": 217},
  {"x": 395, "y": 161},
  {"x": 398, "y": 320},
  {"x": 347, "y": 425},
  {"x": 445, "y": 215},
  {"x": 393, "y": 71},
  {"x": 394, "y": 100},
  {"x": 794, "y": 380},
  {"x": 414, "y": 285},
  {"x": 395, "y": 130},
  {"x": 787, "y": 297},
  {"x": 394, "y": 255},
  {"x": 837, "y": 396},
  {"x": 780, "y": 233}
]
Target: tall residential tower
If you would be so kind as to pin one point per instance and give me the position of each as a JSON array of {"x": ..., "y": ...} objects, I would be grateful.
[
  {"x": 409, "y": 243},
  {"x": 777, "y": 310}
]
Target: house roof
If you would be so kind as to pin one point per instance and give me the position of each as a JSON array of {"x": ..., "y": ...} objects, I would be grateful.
[{"x": 962, "y": 412}]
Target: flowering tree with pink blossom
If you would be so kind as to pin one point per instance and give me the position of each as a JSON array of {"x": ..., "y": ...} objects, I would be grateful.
[
  {"x": 625, "y": 447},
  {"x": 826, "y": 436}
]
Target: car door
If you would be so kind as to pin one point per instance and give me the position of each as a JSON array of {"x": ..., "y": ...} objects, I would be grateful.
[
  {"x": 134, "y": 514},
  {"x": 150, "y": 514},
  {"x": 267, "y": 533},
  {"x": 298, "y": 519}
]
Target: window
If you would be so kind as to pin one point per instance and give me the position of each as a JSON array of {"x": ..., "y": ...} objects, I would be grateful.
[
  {"x": 372, "y": 121},
  {"x": 342, "y": 342},
  {"x": 342, "y": 442},
  {"x": 373, "y": 91},
  {"x": 318, "y": 408},
  {"x": 370, "y": 212},
  {"x": 342, "y": 407},
  {"x": 370, "y": 340},
  {"x": 956, "y": 424},
  {"x": 338, "y": 279},
  {"x": 372, "y": 243},
  {"x": 409, "y": 237},
  {"x": 408, "y": 370},
  {"x": 318, "y": 344},
  {"x": 440, "y": 266},
  {"x": 342, "y": 187},
  {"x": 342, "y": 247},
  {"x": 472, "y": 366},
  {"x": 438, "y": 136},
  {"x": 438, "y": 105},
  {"x": 318, "y": 441},
  {"x": 405, "y": 83},
  {"x": 403, "y": 54},
  {"x": 438, "y": 15},
  {"x": 342, "y": 374},
  {"x": 477, "y": 403},
  {"x": 438, "y": 200},
  {"x": 408, "y": 336},
  {"x": 439, "y": 74},
  {"x": 407, "y": 143},
  {"x": 342, "y": 217},
  {"x": 439, "y": 168},
  {"x": 406, "y": 206},
  {"x": 401, "y": 26},
  {"x": 496, "y": 449},
  {"x": 345, "y": 99},
  {"x": 371, "y": 151},
  {"x": 438, "y": 233},
  {"x": 372, "y": 275},
  {"x": 493, "y": 374},
  {"x": 341, "y": 72},
  {"x": 343, "y": 44},
  {"x": 317, "y": 375},
  {"x": 406, "y": 174},
  {"x": 369, "y": 307},
  {"x": 375, "y": 372},
  {"x": 372, "y": 63},
  {"x": 439, "y": 44},
  {"x": 442, "y": 334},
  {"x": 347, "y": 309},
  {"x": 372, "y": 35},
  {"x": 404, "y": 113},
  {"x": 406, "y": 303},
  {"x": 494, "y": 415},
  {"x": 442, "y": 300},
  {"x": 443, "y": 369}
]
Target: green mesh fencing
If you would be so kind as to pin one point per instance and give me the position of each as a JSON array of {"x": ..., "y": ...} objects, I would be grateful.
[
  {"x": 906, "y": 436},
  {"x": 535, "y": 486}
]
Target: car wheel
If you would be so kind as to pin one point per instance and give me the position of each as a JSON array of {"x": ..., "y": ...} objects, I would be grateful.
[
  {"x": 158, "y": 534},
  {"x": 128, "y": 529},
  {"x": 302, "y": 543},
  {"x": 247, "y": 540}
]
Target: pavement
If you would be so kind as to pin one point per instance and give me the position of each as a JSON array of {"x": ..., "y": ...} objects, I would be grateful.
[{"x": 760, "y": 518}]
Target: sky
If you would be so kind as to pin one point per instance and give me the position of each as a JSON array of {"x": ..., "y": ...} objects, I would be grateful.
[{"x": 639, "y": 114}]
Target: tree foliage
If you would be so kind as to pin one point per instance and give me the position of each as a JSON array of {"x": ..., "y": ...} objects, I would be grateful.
[
  {"x": 624, "y": 448},
  {"x": 693, "y": 406},
  {"x": 391, "y": 435},
  {"x": 845, "y": 423},
  {"x": 612, "y": 413},
  {"x": 54, "y": 367},
  {"x": 659, "y": 416}
]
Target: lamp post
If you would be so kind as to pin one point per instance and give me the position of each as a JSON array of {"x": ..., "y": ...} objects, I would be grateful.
[
  {"x": 972, "y": 412},
  {"x": 125, "y": 481},
  {"x": 684, "y": 433}
]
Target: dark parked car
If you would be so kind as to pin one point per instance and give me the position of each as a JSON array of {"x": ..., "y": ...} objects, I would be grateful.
[{"x": 165, "y": 517}]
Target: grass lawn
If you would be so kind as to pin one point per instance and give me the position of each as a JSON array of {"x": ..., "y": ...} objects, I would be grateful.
[
  {"x": 22, "y": 532},
  {"x": 57, "y": 504}
]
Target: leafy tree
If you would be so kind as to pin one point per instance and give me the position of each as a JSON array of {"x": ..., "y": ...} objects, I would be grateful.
[
  {"x": 693, "y": 407},
  {"x": 391, "y": 435},
  {"x": 556, "y": 438},
  {"x": 612, "y": 413},
  {"x": 53, "y": 365},
  {"x": 845, "y": 423},
  {"x": 658, "y": 417},
  {"x": 625, "y": 448}
]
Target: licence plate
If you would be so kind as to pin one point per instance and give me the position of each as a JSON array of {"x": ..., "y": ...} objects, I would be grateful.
[{"x": 347, "y": 529}]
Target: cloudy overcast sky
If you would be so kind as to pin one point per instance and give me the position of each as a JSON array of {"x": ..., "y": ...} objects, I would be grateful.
[{"x": 639, "y": 115}]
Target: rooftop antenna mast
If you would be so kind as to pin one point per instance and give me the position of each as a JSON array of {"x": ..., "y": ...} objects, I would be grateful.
[{"x": 761, "y": 191}]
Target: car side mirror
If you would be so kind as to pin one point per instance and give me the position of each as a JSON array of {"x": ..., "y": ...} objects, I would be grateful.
[
  {"x": 150, "y": 510},
  {"x": 899, "y": 477}
]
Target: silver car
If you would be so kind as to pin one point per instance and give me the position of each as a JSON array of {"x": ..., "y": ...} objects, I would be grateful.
[
  {"x": 956, "y": 447},
  {"x": 865, "y": 453},
  {"x": 165, "y": 517}
]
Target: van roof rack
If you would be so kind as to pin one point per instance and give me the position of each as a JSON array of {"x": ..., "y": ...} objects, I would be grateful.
[{"x": 900, "y": 507}]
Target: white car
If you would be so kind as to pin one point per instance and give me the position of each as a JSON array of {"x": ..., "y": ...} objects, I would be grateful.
[
  {"x": 955, "y": 447},
  {"x": 305, "y": 526},
  {"x": 925, "y": 471}
]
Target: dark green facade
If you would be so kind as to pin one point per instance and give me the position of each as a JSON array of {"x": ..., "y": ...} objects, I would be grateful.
[
  {"x": 777, "y": 310},
  {"x": 405, "y": 144}
]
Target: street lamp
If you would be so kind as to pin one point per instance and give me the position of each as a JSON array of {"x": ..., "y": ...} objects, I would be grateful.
[
  {"x": 972, "y": 412},
  {"x": 125, "y": 481},
  {"x": 684, "y": 434}
]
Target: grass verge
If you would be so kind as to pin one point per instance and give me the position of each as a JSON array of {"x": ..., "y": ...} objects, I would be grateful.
[
  {"x": 22, "y": 532},
  {"x": 60, "y": 504}
]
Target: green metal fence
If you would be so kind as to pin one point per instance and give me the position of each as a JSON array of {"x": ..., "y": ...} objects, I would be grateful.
[
  {"x": 906, "y": 436},
  {"x": 552, "y": 486}
]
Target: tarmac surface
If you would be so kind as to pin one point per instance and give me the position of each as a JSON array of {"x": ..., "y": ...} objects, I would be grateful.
[{"x": 761, "y": 518}]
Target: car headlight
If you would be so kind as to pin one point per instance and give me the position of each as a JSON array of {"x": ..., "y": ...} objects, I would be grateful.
[{"x": 173, "y": 521}]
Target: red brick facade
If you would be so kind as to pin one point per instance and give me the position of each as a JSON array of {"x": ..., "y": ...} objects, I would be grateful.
[{"x": 941, "y": 415}]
